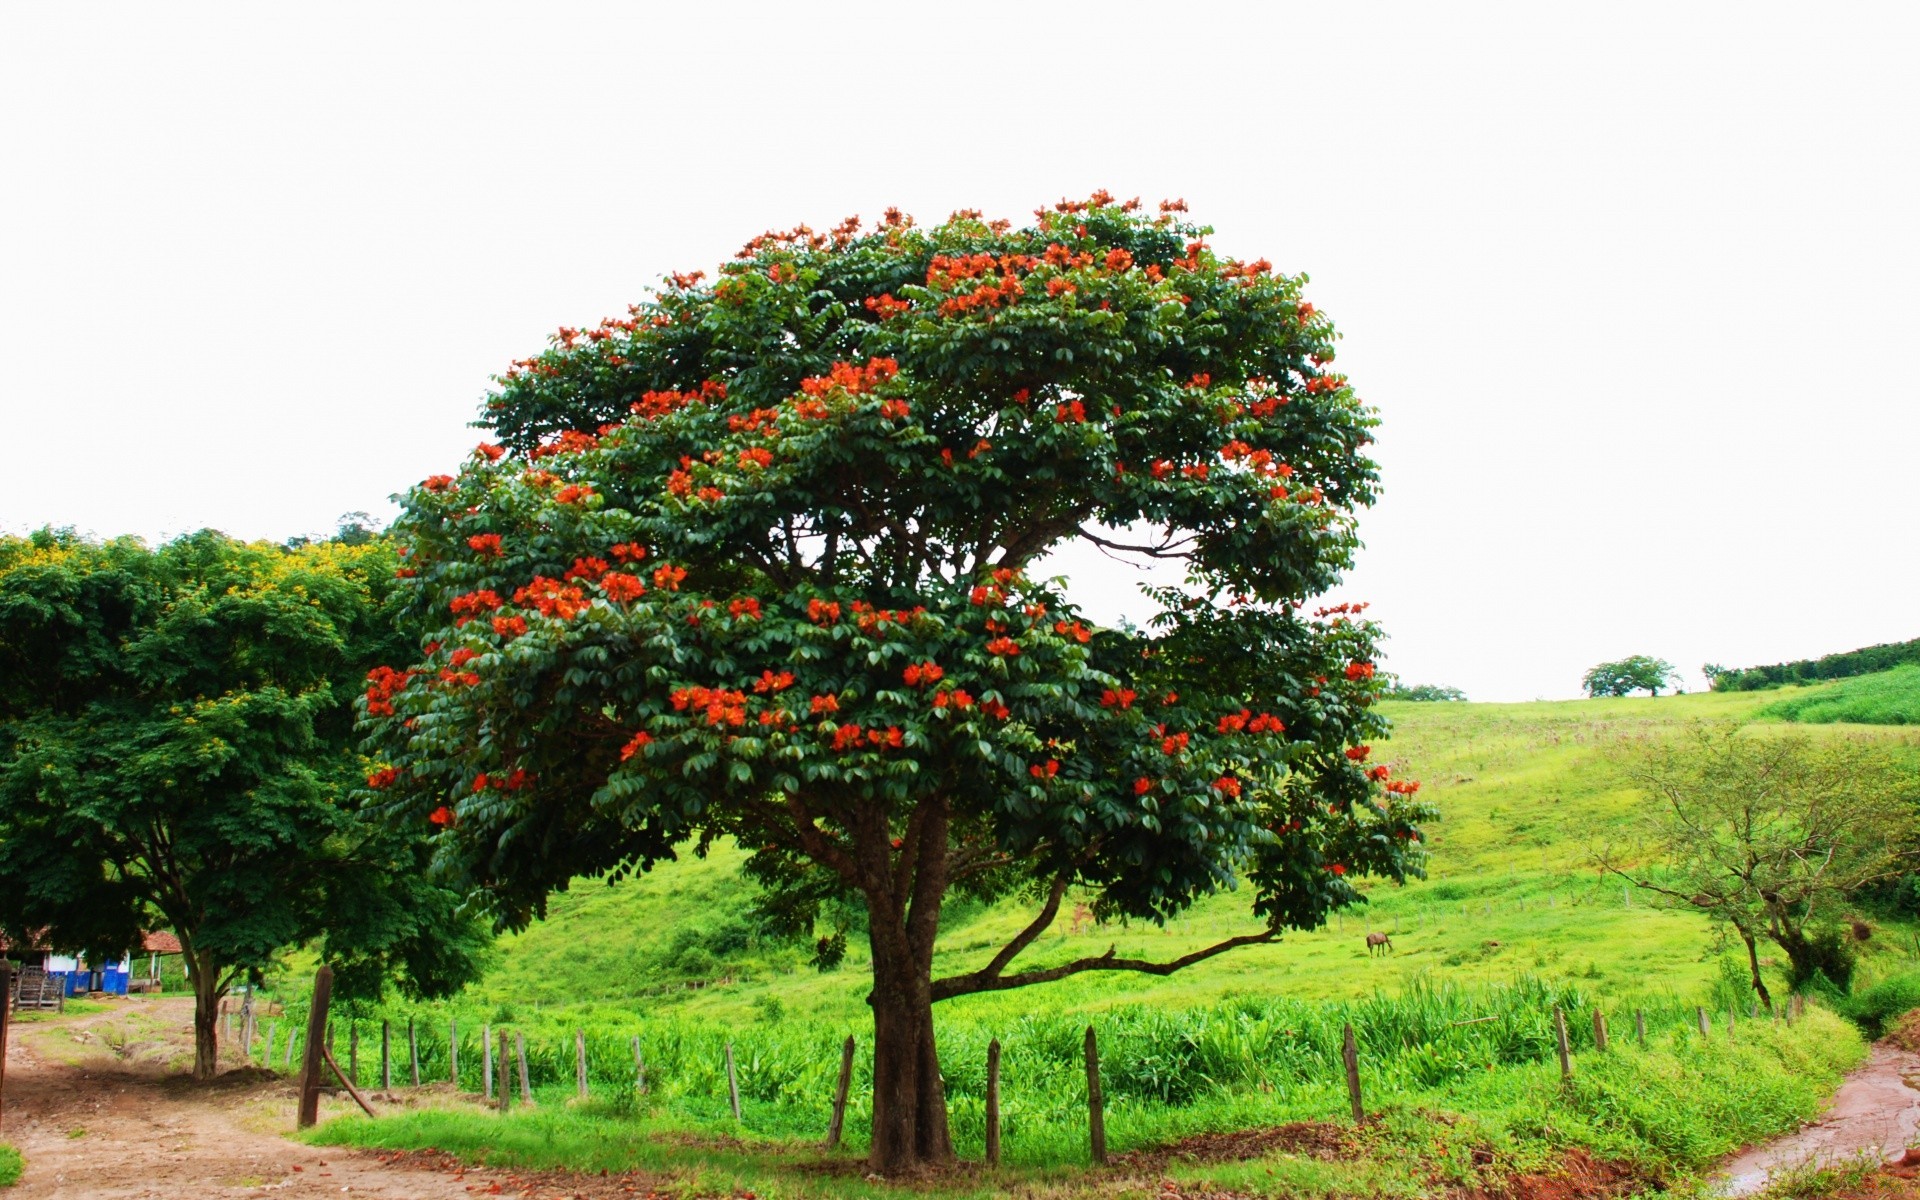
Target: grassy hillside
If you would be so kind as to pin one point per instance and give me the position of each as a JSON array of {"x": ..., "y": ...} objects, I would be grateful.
[
  {"x": 1511, "y": 890},
  {"x": 1887, "y": 698}
]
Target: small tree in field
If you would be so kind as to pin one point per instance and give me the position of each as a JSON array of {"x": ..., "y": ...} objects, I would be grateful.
[
  {"x": 1771, "y": 833},
  {"x": 1635, "y": 673},
  {"x": 753, "y": 561},
  {"x": 174, "y": 729}
]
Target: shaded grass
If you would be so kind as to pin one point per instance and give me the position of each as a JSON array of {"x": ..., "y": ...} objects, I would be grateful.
[
  {"x": 1885, "y": 698},
  {"x": 11, "y": 1164},
  {"x": 1670, "y": 1111}
]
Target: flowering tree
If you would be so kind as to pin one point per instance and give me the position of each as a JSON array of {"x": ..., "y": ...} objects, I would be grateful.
[
  {"x": 174, "y": 749},
  {"x": 753, "y": 561}
]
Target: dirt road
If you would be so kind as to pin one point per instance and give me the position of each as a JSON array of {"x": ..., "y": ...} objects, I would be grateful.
[
  {"x": 1876, "y": 1112},
  {"x": 100, "y": 1108}
]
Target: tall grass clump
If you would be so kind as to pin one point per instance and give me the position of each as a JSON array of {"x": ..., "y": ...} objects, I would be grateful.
[
  {"x": 1886, "y": 698},
  {"x": 11, "y": 1164}
]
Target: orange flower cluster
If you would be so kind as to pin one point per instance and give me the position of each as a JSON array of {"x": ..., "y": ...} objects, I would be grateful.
[
  {"x": 851, "y": 379},
  {"x": 1227, "y": 785},
  {"x": 552, "y": 598},
  {"x": 850, "y": 737},
  {"x": 441, "y": 816},
  {"x": 982, "y": 595},
  {"x": 987, "y": 295},
  {"x": 635, "y": 744},
  {"x": 1118, "y": 259},
  {"x": 823, "y": 612},
  {"x": 890, "y": 409},
  {"x": 943, "y": 271},
  {"x": 1245, "y": 721},
  {"x": 1198, "y": 471},
  {"x": 995, "y": 709},
  {"x": 926, "y": 673},
  {"x": 1059, "y": 284},
  {"x": 886, "y": 307},
  {"x": 1325, "y": 383},
  {"x": 722, "y": 707},
  {"x": 1142, "y": 786},
  {"x": 384, "y": 777},
  {"x": 474, "y": 603},
  {"x": 574, "y": 493},
  {"x": 1123, "y": 698},
  {"x": 539, "y": 478},
  {"x": 1404, "y": 787},
  {"x": 1051, "y": 769},
  {"x": 487, "y": 545},
  {"x": 668, "y": 576},
  {"x": 757, "y": 457},
  {"x": 622, "y": 587},
  {"x": 509, "y": 627},
  {"x": 1073, "y": 412},
  {"x": 659, "y": 404},
  {"x": 745, "y": 608},
  {"x": 489, "y": 451},
  {"x": 870, "y": 619},
  {"x": 1173, "y": 743},
  {"x": 1376, "y": 774},
  {"x": 1075, "y": 630},
  {"x": 464, "y": 678},
  {"x": 824, "y": 704},
  {"x": 588, "y": 569},
  {"x": 461, "y": 657},
  {"x": 628, "y": 552},
  {"x": 770, "y": 682},
  {"x": 1004, "y": 646},
  {"x": 1357, "y": 671},
  {"x": 437, "y": 483},
  {"x": 1359, "y": 753},
  {"x": 1161, "y": 468},
  {"x": 1064, "y": 258},
  {"x": 759, "y": 420},
  {"x": 571, "y": 441},
  {"x": 957, "y": 698}
]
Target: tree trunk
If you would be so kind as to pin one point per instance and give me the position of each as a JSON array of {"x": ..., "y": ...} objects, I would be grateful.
[
  {"x": 206, "y": 1017},
  {"x": 1753, "y": 964}
]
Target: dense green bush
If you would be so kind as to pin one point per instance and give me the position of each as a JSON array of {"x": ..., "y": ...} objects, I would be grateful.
[
  {"x": 1871, "y": 1007},
  {"x": 11, "y": 1164},
  {"x": 1887, "y": 698}
]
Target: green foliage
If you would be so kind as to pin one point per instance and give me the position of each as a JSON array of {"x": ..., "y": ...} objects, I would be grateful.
[
  {"x": 1873, "y": 1006},
  {"x": 1423, "y": 692},
  {"x": 1867, "y": 661},
  {"x": 174, "y": 751},
  {"x": 1884, "y": 698},
  {"x": 11, "y": 1164},
  {"x": 1635, "y": 673}
]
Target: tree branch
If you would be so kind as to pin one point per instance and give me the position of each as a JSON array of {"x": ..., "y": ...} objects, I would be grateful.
[{"x": 966, "y": 985}]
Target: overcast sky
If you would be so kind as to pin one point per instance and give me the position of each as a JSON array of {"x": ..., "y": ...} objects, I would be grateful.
[{"x": 1634, "y": 292}]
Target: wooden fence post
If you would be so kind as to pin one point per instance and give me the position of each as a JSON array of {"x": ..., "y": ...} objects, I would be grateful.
[
  {"x": 1702, "y": 1014},
  {"x": 413, "y": 1051},
  {"x": 1350, "y": 1058},
  {"x": 1560, "y": 1041},
  {"x": 246, "y": 1029},
  {"x": 386, "y": 1055},
  {"x": 6, "y": 1016},
  {"x": 486, "y": 1060},
  {"x": 839, "y": 1118},
  {"x": 453, "y": 1051},
  {"x": 733, "y": 1084},
  {"x": 1096, "y": 1104},
  {"x": 316, "y": 1046},
  {"x": 1729, "y": 1024},
  {"x": 580, "y": 1061},
  {"x": 639, "y": 1067},
  {"x": 1599, "y": 1030},
  {"x": 353, "y": 1051},
  {"x": 292, "y": 1037},
  {"x": 1640, "y": 1026},
  {"x": 993, "y": 1102},
  {"x": 273, "y": 1027},
  {"x": 520, "y": 1053}
]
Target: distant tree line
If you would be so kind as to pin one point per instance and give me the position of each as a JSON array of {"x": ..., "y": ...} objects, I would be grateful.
[
  {"x": 1422, "y": 691},
  {"x": 1865, "y": 661}
]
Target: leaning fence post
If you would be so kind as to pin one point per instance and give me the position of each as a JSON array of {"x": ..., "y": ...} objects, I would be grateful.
[
  {"x": 453, "y": 1051},
  {"x": 1560, "y": 1042},
  {"x": 1350, "y": 1058},
  {"x": 520, "y": 1054},
  {"x": 486, "y": 1060},
  {"x": 733, "y": 1084},
  {"x": 993, "y": 1102},
  {"x": 1702, "y": 1014},
  {"x": 639, "y": 1067},
  {"x": 316, "y": 1047},
  {"x": 838, "y": 1120},
  {"x": 580, "y": 1061},
  {"x": 386, "y": 1055},
  {"x": 1096, "y": 1104},
  {"x": 6, "y": 1014},
  {"x": 413, "y": 1051},
  {"x": 1599, "y": 1030},
  {"x": 353, "y": 1050},
  {"x": 292, "y": 1037},
  {"x": 1640, "y": 1026},
  {"x": 273, "y": 1027}
]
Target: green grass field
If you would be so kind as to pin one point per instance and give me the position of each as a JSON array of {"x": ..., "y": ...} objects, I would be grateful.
[
  {"x": 1887, "y": 698},
  {"x": 1513, "y": 920}
]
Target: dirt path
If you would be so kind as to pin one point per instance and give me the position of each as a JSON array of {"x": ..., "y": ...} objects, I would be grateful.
[
  {"x": 100, "y": 1108},
  {"x": 1876, "y": 1111}
]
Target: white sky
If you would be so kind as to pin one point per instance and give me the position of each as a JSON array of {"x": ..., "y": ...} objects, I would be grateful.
[{"x": 1634, "y": 290}]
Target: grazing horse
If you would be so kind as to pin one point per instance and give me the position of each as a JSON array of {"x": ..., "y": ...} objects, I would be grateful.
[{"x": 1380, "y": 942}]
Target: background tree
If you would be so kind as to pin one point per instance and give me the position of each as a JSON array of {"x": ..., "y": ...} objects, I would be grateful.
[
  {"x": 1429, "y": 692},
  {"x": 753, "y": 562},
  {"x": 1635, "y": 673},
  {"x": 1771, "y": 833},
  {"x": 174, "y": 749}
]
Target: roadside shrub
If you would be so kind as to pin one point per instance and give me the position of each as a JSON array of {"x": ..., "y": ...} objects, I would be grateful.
[
  {"x": 11, "y": 1164},
  {"x": 1873, "y": 1006}
]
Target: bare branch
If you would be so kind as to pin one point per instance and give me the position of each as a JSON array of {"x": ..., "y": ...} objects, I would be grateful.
[{"x": 966, "y": 985}]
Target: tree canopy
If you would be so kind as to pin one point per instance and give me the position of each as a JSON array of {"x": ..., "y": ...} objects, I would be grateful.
[
  {"x": 1770, "y": 833},
  {"x": 1635, "y": 673},
  {"x": 755, "y": 560},
  {"x": 175, "y": 729}
]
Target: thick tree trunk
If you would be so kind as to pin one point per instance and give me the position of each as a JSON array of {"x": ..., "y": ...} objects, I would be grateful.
[
  {"x": 206, "y": 1016},
  {"x": 1753, "y": 965}
]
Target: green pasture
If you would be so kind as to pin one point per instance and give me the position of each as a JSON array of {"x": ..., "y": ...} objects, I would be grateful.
[{"x": 1886, "y": 698}]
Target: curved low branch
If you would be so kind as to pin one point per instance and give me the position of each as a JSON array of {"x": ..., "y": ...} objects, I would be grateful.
[{"x": 980, "y": 981}]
